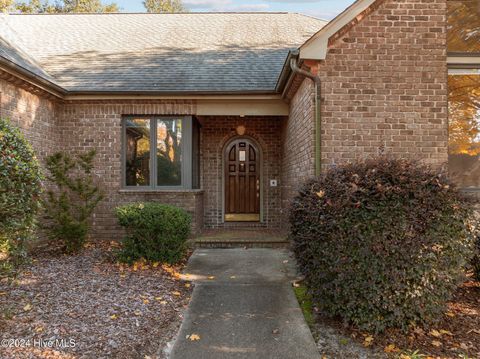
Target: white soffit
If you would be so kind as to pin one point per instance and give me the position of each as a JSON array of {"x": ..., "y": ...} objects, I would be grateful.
[{"x": 316, "y": 47}]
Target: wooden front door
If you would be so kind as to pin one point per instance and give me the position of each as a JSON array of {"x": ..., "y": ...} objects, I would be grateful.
[{"x": 242, "y": 182}]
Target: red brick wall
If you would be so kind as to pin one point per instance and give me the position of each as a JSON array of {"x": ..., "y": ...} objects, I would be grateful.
[
  {"x": 35, "y": 115},
  {"x": 215, "y": 133},
  {"x": 88, "y": 125},
  {"x": 385, "y": 85},
  {"x": 298, "y": 146}
]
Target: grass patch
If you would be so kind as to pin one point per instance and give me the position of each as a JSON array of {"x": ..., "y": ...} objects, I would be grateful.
[{"x": 305, "y": 301}]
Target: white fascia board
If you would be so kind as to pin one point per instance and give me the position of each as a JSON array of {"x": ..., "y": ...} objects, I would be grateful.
[{"x": 316, "y": 47}]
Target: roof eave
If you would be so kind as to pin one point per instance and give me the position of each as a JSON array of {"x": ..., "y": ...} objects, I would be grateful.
[
  {"x": 170, "y": 93},
  {"x": 32, "y": 78}
]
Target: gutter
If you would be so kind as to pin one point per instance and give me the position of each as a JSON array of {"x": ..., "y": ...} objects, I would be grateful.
[
  {"x": 294, "y": 65},
  {"x": 31, "y": 78}
]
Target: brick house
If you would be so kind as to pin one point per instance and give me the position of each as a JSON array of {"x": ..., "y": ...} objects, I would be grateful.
[{"x": 226, "y": 114}]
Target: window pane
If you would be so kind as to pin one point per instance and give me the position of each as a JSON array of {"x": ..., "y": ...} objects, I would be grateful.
[
  {"x": 464, "y": 129},
  {"x": 137, "y": 152},
  {"x": 169, "y": 152},
  {"x": 463, "y": 25}
]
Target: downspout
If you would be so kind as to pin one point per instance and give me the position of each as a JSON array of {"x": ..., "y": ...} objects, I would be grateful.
[{"x": 318, "y": 115}]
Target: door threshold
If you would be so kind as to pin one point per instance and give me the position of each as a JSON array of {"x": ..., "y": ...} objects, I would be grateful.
[{"x": 242, "y": 217}]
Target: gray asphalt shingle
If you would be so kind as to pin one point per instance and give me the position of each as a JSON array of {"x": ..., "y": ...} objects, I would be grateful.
[{"x": 205, "y": 52}]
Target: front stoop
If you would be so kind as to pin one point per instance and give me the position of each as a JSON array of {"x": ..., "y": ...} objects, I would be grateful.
[
  {"x": 241, "y": 244},
  {"x": 241, "y": 238}
]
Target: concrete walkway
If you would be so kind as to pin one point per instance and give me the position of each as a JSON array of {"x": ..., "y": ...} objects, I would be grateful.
[{"x": 243, "y": 306}]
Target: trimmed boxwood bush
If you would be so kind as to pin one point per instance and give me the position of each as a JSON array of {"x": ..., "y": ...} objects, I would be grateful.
[
  {"x": 383, "y": 242},
  {"x": 155, "y": 232},
  {"x": 20, "y": 188}
]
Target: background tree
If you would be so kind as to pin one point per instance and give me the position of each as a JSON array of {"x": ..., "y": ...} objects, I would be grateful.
[
  {"x": 164, "y": 6},
  {"x": 463, "y": 25},
  {"x": 7, "y": 5},
  {"x": 66, "y": 6},
  {"x": 464, "y": 114},
  {"x": 38, "y": 7},
  {"x": 90, "y": 6}
]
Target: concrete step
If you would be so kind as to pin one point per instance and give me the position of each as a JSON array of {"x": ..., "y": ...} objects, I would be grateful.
[{"x": 239, "y": 243}]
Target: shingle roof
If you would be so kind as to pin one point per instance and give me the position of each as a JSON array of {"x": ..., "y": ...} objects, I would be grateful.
[
  {"x": 194, "y": 52},
  {"x": 18, "y": 57}
]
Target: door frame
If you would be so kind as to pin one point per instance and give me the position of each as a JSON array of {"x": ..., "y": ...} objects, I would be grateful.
[{"x": 260, "y": 156}]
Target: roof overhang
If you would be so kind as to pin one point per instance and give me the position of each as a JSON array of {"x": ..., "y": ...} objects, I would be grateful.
[
  {"x": 29, "y": 77},
  {"x": 316, "y": 47}
]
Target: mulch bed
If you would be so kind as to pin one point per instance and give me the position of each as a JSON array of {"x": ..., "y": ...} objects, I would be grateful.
[
  {"x": 107, "y": 310},
  {"x": 457, "y": 335}
]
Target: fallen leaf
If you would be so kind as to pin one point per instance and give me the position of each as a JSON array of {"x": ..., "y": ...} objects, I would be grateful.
[
  {"x": 435, "y": 333},
  {"x": 368, "y": 341},
  {"x": 39, "y": 329},
  {"x": 232, "y": 277},
  {"x": 158, "y": 298},
  {"x": 211, "y": 277},
  {"x": 464, "y": 346},
  {"x": 194, "y": 337},
  {"x": 3, "y": 293},
  {"x": 187, "y": 285},
  {"x": 419, "y": 331},
  {"x": 146, "y": 301},
  {"x": 113, "y": 317},
  {"x": 405, "y": 356},
  {"x": 178, "y": 294},
  {"x": 391, "y": 348},
  {"x": 450, "y": 314},
  {"x": 155, "y": 264},
  {"x": 446, "y": 332},
  {"x": 436, "y": 343},
  {"x": 320, "y": 194},
  {"x": 27, "y": 308},
  {"x": 137, "y": 313},
  {"x": 163, "y": 302}
]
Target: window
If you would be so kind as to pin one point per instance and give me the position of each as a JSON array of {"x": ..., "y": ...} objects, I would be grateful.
[
  {"x": 464, "y": 128},
  {"x": 463, "y": 26},
  {"x": 463, "y": 42},
  {"x": 160, "y": 152}
]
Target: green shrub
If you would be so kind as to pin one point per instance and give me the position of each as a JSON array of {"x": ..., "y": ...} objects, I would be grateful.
[
  {"x": 382, "y": 243},
  {"x": 70, "y": 205},
  {"x": 155, "y": 232},
  {"x": 20, "y": 188},
  {"x": 476, "y": 260}
]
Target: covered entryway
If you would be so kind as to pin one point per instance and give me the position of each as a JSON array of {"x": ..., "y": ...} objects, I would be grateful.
[{"x": 242, "y": 164}]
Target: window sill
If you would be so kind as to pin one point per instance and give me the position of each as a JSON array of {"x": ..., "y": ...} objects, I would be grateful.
[{"x": 158, "y": 191}]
